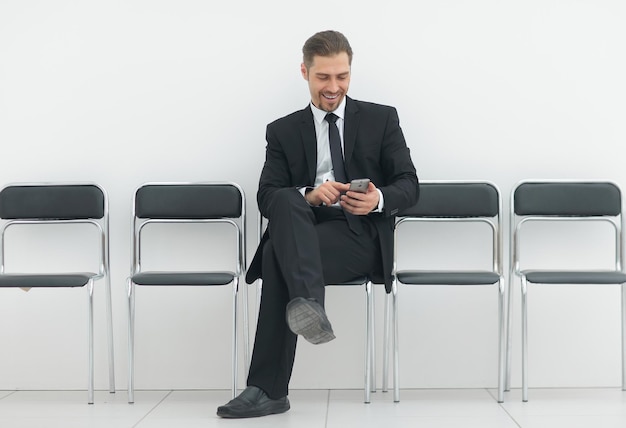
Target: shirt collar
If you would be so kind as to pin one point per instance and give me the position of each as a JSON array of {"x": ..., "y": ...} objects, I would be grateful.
[{"x": 319, "y": 115}]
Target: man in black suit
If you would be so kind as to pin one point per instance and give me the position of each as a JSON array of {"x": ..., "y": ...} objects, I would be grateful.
[{"x": 320, "y": 232}]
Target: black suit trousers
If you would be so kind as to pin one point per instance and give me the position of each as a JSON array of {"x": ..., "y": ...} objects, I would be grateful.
[{"x": 308, "y": 248}]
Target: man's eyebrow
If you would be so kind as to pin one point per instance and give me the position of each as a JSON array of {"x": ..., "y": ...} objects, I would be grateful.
[{"x": 345, "y": 73}]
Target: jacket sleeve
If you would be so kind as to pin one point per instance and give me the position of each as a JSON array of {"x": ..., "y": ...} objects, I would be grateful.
[
  {"x": 275, "y": 173},
  {"x": 401, "y": 188}
]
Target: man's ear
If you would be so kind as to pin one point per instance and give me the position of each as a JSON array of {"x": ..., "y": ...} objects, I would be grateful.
[{"x": 304, "y": 71}]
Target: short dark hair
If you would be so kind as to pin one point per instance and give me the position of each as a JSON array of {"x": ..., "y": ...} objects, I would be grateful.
[{"x": 325, "y": 43}]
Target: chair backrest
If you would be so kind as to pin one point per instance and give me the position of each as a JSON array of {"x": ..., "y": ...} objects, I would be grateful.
[
  {"x": 459, "y": 201},
  {"x": 564, "y": 200},
  {"x": 54, "y": 203},
  {"x": 189, "y": 201},
  {"x": 195, "y": 202},
  {"x": 582, "y": 199},
  {"x": 456, "y": 199}
]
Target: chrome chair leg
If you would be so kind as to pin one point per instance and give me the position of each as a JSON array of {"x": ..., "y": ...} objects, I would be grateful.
[
  {"x": 234, "y": 339},
  {"x": 623, "y": 286},
  {"x": 501, "y": 340},
  {"x": 509, "y": 342},
  {"x": 131, "y": 341},
  {"x": 524, "y": 340},
  {"x": 396, "y": 384},
  {"x": 109, "y": 309},
  {"x": 387, "y": 326},
  {"x": 368, "y": 341},
  {"x": 372, "y": 339},
  {"x": 90, "y": 340},
  {"x": 246, "y": 329}
]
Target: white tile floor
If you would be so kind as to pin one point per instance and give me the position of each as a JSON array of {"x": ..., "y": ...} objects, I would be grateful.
[{"x": 426, "y": 408}]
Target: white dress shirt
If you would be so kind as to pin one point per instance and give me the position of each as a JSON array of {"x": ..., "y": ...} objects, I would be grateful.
[{"x": 324, "y": 168}]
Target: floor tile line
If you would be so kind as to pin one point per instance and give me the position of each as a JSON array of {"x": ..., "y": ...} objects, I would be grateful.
[
  {"x": 492, "y": 396},
  {"x": 10, "y": 393},
  {"x": 327, "y": 408},
  {"x": 503, "y": 408},
  {"x": 153, "y": 408}
]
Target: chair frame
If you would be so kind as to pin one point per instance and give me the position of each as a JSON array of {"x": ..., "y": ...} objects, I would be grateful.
[
  {"x": 516, "y": 223},
  {"x": 391, "y": 307},
  {"x": 102, "y": 224},
  {"x": 239, "y": 225},
  {"x": 370, "y": 348}
]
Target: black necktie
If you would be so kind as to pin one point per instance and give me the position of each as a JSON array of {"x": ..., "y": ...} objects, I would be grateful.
[
  {"x": 338, "y": 167},
  {"x": 335, "y": 148}
]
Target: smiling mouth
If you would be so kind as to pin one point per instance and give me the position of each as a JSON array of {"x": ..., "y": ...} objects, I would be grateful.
[{"x": 330, "y": 97}]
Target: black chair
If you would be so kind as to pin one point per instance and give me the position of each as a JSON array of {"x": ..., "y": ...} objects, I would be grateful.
[
  {"x": 370, "y": 348},
  {"x": 174, "y": 204},
  {"x": 53, "y": 204},
  {"x": 574, "y": 202},
  {"x": 453, "y": 202}
]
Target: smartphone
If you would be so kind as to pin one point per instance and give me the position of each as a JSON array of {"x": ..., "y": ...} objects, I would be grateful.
[{"x": 359, "y": 185}]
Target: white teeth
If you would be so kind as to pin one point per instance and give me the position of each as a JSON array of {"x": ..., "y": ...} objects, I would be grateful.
[{"x": 331, "y": 97}]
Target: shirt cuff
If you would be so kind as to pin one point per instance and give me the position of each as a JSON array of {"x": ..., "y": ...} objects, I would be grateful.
[
  {"x": 303, "y": 191},
  {"x": 381, "y": 202}
]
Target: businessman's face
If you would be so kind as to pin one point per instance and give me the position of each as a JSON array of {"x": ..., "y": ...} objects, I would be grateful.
[{"x": 329, "y": 78}]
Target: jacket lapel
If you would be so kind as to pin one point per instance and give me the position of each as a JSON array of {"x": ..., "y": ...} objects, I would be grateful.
[
  {"x": 350, "y": 127},
  {"x": 309, "y": 142}
]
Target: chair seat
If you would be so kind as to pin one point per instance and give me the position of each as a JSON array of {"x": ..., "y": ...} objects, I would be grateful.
[
  {"x": 375, "y": 278},
  {"x": 575, "y": 277},
  {"x": 50, "y": 280},
  {"x": 447, "y": 277},
  {"x": 183, "y": 278},
  {"x": 357, "y": 281}
]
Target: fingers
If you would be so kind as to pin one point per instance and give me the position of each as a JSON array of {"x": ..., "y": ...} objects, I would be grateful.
[
  {"x": 328, "y": 197},
  {"x": 330, "y": 191},
  {"x": 360, "y": 203}
]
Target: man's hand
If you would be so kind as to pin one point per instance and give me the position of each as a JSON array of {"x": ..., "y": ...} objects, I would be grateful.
[
  {"x": 327, "y": 193},
  {"x": 360, "y": 203}
]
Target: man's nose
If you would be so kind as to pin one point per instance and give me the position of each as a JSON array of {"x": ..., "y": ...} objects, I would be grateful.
[{"x": 333, "y": 85}]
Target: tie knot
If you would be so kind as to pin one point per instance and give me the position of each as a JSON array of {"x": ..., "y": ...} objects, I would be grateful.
[{"x": 331, "y": 118}]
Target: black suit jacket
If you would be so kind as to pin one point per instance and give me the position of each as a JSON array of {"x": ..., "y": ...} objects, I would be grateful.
[{"x": 374, "y": 148}]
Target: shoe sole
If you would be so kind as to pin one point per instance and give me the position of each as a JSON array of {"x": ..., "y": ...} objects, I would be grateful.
[
  {"x": 307, "y": 320},
  {"x": 267, "y": 412}
]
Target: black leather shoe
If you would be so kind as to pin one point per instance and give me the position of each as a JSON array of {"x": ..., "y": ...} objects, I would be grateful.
[
  {"x": 308, "y": 318},
  {"x": 251, "y": 403}
]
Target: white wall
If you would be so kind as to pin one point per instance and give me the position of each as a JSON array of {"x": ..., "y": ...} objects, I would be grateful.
[{"x": 124, "y": 92}]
